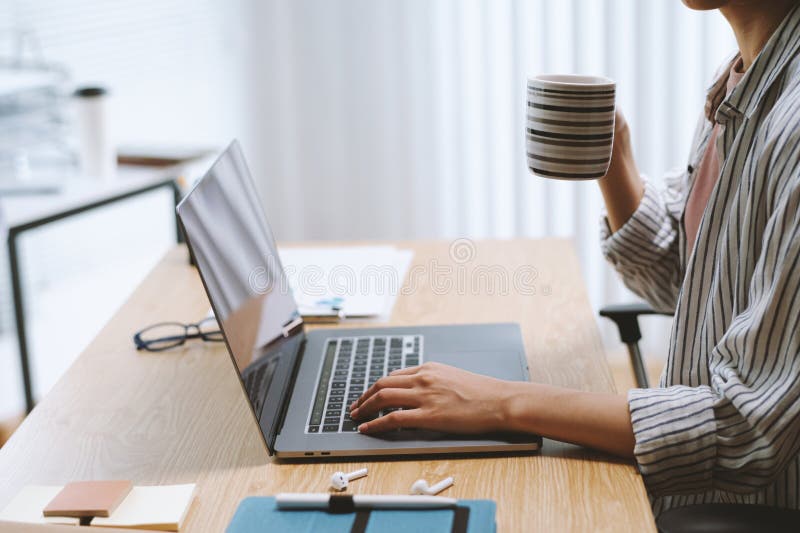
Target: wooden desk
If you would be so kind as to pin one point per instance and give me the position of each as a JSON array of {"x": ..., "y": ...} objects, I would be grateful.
[{"x": 180, "y": 416}]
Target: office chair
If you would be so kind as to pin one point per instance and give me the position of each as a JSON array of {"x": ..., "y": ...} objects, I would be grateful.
[
  {"x": 626, "y": 317},
  {"x": 707, "y": 517}
]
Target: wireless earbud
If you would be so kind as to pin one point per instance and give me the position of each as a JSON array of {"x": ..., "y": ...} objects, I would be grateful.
[
  {"x": 339, "y": 480},
  {"x": 420, "y": 487}
]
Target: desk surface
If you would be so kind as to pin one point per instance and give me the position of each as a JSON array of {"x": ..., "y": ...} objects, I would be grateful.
[{"x": 180, "y": 416}]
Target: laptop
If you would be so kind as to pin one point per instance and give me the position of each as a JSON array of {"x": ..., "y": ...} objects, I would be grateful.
[{"x": 300, "y": 382}]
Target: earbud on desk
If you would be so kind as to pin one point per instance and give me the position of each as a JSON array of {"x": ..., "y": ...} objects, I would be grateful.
[
  {"x": 339, "y": 480},
  {"x": 420, "y": 487}
]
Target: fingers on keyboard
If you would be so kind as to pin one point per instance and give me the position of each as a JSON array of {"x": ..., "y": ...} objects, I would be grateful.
[{"x": 351, "y": 367}]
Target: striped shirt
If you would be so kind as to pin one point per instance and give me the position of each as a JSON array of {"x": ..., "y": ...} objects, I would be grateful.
[{"x": 724, "y": 425}]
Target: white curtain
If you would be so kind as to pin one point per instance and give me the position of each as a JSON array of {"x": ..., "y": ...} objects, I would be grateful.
[{"x": 405, "y": 119}]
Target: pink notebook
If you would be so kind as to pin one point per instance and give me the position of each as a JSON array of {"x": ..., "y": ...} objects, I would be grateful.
[{"x": 88, "y": 498}]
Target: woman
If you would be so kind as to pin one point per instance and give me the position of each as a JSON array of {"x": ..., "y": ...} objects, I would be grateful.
[{"x": 721, "y": 248}]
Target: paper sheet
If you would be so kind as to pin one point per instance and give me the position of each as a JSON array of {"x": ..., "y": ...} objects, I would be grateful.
[
  {"x": 164, "y": 506},
  {"x": 27, "y": 506},
  {"x": 363, "y": 280}
]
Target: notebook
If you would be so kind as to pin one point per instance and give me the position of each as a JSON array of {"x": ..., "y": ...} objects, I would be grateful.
[
  {"x": 161, "y": 508},
  {"x": 151, "y": 507},
  {"x": 259, "y": 514},
  {"x": 27, "y": 506},
  {"x": 88, "y": 498}
]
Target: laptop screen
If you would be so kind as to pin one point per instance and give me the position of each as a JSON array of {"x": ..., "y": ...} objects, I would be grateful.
[{"x": 236, "y": 255}]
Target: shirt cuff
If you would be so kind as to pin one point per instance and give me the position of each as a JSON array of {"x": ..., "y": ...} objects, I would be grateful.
[
  {"x": 646, "y": 236},
  {"x": 675, "y": 433}
]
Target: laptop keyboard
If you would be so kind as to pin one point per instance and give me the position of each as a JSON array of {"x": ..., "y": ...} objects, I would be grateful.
[{"x": 349, "y": 367}]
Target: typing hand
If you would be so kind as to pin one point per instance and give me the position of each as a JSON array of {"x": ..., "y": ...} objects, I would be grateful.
[{"x": 437, "y": 397}]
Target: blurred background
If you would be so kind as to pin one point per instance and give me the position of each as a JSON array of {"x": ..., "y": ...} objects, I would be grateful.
[{"x": 360, "y": 119}]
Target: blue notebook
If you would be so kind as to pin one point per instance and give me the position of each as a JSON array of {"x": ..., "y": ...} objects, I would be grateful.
[{"x": 257, "y": 514}]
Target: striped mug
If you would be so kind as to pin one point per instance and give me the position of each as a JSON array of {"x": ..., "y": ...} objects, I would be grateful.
[{"x": 570, "y": 126}]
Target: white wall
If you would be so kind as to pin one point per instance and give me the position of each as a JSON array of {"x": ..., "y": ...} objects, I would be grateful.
[{"x": 175, "y": 67}]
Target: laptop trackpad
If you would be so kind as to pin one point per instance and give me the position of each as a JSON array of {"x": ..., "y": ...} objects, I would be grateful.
[{"x": 501, "y": 364}]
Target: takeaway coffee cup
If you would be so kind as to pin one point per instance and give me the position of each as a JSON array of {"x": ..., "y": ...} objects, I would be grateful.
[
  {"x": 96, "y": 150},
  {"x": 570, "y": 126}
]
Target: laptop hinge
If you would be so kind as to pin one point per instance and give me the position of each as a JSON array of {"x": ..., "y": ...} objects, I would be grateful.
[
  {"x": 292, "y": 326},
  {"x": 286, "y": 396}
]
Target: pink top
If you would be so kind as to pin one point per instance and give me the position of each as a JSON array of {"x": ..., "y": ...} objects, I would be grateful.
[{"x": 707, "y": 172}]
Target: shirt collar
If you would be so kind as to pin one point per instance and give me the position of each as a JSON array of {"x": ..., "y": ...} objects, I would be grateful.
[{"x": 744, "y": 99}]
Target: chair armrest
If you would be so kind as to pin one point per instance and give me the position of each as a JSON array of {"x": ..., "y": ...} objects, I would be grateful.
[{"x": 626, "y": 317}]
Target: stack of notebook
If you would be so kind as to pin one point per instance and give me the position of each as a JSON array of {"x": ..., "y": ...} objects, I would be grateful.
[{"x": 103, "y": 504}]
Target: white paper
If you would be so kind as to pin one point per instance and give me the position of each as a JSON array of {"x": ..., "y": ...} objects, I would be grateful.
[
  {"x": 151, "y": 505},
  {"x": 363, "y": 280},
  {"x": 28, "y": 504}
]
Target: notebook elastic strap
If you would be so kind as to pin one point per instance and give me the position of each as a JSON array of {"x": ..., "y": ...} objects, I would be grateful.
[
  {"x": 460, "y": 520},
  {"x": 360, "y": 523}
]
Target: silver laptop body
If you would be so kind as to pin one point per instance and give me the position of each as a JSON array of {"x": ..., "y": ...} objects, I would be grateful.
[{"x": 299, "y": 383}]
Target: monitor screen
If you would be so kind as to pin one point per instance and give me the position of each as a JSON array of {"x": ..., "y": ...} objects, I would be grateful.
[{"x": 236, "y": 255}]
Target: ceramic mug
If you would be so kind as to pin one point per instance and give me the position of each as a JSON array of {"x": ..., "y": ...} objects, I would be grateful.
[{"x": 570, "y": 126}]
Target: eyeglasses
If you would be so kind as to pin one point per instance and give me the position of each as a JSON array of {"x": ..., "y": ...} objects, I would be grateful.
[{"x": 166, "y": 335}]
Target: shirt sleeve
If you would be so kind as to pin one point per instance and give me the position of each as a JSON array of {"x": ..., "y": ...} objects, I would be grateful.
[
  {"x": 645, "y": 251},
  {"x": 738, "y": 433}
]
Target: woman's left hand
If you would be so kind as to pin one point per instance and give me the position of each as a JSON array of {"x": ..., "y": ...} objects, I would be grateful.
[{"x": 437, "y": 397}]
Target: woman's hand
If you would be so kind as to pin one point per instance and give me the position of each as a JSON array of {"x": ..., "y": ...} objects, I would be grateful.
[
  {"x": 621, "y": 187},
  {"x": 445, "y": 398},
  {"x": 435, "y": 396}
]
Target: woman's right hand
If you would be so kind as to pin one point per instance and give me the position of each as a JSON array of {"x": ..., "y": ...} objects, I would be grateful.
[{"x": 438, "y": 397}]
